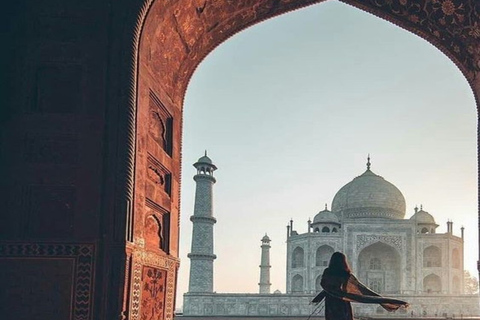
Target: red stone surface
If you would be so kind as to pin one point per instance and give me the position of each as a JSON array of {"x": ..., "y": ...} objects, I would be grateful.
[{"x": 90, "y": 118}]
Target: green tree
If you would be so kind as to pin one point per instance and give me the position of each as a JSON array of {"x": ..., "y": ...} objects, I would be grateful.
[{"x": 470, "y": 283}]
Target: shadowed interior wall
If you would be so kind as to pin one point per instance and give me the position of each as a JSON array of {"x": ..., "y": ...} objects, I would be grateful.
[{"x": 92, "y": 95}]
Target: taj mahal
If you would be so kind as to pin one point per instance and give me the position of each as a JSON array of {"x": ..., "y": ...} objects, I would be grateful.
[{"x": 393, "y": 253}]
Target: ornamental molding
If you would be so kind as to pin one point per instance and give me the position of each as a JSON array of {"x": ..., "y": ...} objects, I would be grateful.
[
  {"x": 155, "y": 260},
  {"x": 364, "y": 240},
  {"x": 335, "y": 245}
]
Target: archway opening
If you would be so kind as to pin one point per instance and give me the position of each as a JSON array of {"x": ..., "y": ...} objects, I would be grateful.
[
  {"x": 297, "y": 284},
  {"x": 432, "y": 257},
  {"x": 432, "y": 284},
  {"x": 322, "y": 256},
  {"x": 251, "y": 128},
  {"x": 298, "y": 258},
  {"x": 379, "y": 267}
]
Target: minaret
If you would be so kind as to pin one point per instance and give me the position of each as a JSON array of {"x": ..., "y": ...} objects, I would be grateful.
[
  {"x": 265, "y": 266},
  {"x": 201, "y": 255}
]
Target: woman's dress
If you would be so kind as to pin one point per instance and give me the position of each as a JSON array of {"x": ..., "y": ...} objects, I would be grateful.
[{"x": 341, "y": 288}]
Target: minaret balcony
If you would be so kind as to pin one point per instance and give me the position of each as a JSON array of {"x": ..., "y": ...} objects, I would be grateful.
[
  {"x": 202, "y": 256},
  {"x": 211, "y": 220}
]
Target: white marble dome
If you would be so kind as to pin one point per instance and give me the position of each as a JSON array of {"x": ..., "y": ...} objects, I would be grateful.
[
  {"x": 423, "y": 217},
  {"x": 325, "y": 216},
  {"x": 369, "y": 196}
]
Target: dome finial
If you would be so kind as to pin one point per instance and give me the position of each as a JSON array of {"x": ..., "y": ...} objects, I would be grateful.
[
  {"x": 205, "y": 152},
  {"x": 326, "y": 208},
  {"x": 368, "y": 162},
  {"x": 421, "y": 207}
]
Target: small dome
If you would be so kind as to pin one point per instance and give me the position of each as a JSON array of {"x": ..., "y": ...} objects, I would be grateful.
[
  {"x": 277, "y": 292},
  {"x": 369, "y": 195},
  {"x": 265, "y": 238},
  {"x": 423, "y": 217},
  {"x": 205, "y": 162},
  {"x": 326, "y": 216},
  {"x": 205, "y": 159}
]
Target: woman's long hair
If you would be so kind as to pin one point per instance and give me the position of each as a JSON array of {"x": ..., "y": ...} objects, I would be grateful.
[{"x": 338, "y": 263}]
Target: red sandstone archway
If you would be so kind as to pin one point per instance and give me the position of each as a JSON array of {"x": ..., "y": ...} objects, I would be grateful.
[{"x": 170, "y": 39}]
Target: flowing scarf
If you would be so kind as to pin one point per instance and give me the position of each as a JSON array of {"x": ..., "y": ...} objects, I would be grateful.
[{"x": 353, "y": 290}]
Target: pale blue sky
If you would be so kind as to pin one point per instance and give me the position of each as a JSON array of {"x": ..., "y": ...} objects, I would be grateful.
[{"x": 288, "y": 110}]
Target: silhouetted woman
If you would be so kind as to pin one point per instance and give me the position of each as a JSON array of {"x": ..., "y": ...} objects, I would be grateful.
[{"x": 340, "y": 287}]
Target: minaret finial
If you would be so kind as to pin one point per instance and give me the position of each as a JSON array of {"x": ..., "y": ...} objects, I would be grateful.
[
  {"x": 326, "y": 208},
  {"x": 205, "y": 152},
  {"x": 368, "y": 162},
  {"x": 421, "y": 207}
]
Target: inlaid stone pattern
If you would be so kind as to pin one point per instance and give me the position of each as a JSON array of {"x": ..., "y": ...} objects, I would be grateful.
[
  {"x": 203, "y": 235},
  {"x": 366, "y": 239},
  {"x": 202, "y": 275},
  {"x": 451, "y": 23},
  {"x": 154, "y": 271},
  {"x": 72, "y": 267},
  {"x": 153, "y": 293},
  {"x": 203, "y": 197}
]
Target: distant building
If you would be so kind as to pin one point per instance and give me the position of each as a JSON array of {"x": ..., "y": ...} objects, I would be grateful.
[{"x": 395, "y": 256}]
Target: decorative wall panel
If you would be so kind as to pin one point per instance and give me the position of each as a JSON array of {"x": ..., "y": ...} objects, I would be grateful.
[
  {"x": 154, "y": 282},
  {"x": 153, "y": 286},
  {"x": 161, "y": 124},
  {"x": 47, "y": 280},
  {"x": 159, "y": 179},
  {"x": 157, "y": 227}
]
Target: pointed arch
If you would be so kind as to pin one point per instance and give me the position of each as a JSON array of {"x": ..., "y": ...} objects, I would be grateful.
[
  {"x": 297, "y": 284},
  {"x": 432, "y": 257},
  {"x": 322, "y": 255},
  {"x": 153, "y": 232},
  {"x": 432, "y": 284},
  {"x": 379, "y": 267},
  {"x": 298, "y": 258}
]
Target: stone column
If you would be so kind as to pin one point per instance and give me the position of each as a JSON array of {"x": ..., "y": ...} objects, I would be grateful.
[
  {"x": 264, "y": 284},
  {"x": 201, "y": 255}
]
